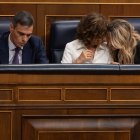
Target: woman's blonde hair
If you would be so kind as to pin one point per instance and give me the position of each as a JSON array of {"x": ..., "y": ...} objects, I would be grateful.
[{"x": 124, "y": 38}]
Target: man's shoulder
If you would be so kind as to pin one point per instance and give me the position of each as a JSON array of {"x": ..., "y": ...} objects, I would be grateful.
[
  {"x": 35, "y": 38},
  {"x": 35, "y": 41}
]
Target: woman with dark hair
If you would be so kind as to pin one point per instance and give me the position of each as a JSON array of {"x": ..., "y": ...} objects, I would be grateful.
[
  {"x": 124, "y": 42},
  {"x": 90, "y": 45}
]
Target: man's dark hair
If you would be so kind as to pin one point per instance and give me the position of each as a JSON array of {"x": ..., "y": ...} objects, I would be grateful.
[{"x": 23, "y": 18}]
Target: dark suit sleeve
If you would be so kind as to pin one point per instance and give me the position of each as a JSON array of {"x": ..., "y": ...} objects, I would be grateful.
[
  {"x": 39, "y": 50},
  {"x": 137, "y": 54}
]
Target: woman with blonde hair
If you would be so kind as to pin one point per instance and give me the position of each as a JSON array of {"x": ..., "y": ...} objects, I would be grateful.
[{"x": 124, "y": 42}]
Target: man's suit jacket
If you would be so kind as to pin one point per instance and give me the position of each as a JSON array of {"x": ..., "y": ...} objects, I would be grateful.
[{"x": 33, "y": 52}]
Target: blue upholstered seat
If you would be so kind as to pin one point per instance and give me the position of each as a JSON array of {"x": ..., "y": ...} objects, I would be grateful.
[
  {"x": 4, "y": 24},
  {"x": 61, "y": 33},
  {"x": 135, "y": 21}
]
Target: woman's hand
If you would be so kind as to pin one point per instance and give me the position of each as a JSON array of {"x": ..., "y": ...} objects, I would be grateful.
[
  {"x": 114, "y": 62},
  {"x": 86, "y": 55}
]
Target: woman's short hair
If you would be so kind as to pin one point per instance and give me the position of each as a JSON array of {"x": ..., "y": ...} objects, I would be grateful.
[{"x": 92, "y": 26}]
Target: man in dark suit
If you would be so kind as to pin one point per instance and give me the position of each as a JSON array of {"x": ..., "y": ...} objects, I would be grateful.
[{"x": 30, "y": 48}]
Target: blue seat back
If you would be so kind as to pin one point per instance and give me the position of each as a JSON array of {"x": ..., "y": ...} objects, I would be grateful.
[
  {"x": 135, "y": 21},
  {"x": 4, "y": 24},
  {"x": 61, "y": 33}
]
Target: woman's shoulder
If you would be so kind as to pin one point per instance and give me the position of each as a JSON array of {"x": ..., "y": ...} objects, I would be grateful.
[{"x": 75, "y": 43}]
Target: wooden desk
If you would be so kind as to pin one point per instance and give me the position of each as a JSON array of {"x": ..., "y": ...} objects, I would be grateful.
[{"x": 69, "y": 102}]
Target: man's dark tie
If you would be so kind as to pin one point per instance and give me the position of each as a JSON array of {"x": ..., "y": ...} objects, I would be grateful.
[{"x": 16, "y": 59}]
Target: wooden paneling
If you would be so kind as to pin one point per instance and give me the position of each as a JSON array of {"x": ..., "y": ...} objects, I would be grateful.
[
  {"x": 39, "y": 94},
  {"x": 84, "y": 135},
  {"x": 125, "y": 94},
  {"x": 56, "y": 106},
  {"x": 119, "y": 1},
  {"x": 69, "y": 106},
  {"x": 6, "y": 95},
  {"x": 5, "y": 125},
  {"x": 78, "y": 94},
  {"x": 120, "y": 9},
  {"x": 88, "y": 128},
  {"x": 112, "y": 9},
  {"x": 75, "y": 1}
]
